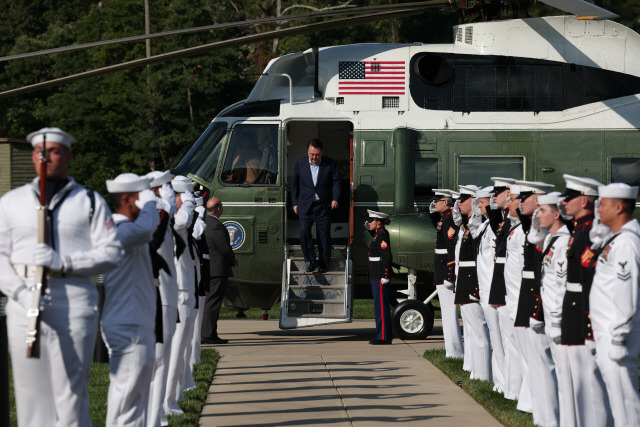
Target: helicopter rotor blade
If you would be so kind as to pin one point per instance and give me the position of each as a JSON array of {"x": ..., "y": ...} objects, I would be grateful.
[
  {"x": 236, "y": 24},
  {"x": 268, "y": 35},
  {"x": 582, "y": 9}
]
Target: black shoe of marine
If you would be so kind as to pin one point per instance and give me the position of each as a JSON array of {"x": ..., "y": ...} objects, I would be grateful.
[
  {"x": 311, "y": 267},
  {"x": 216, "y": 340},
  {"x": 380, "y": 342}
]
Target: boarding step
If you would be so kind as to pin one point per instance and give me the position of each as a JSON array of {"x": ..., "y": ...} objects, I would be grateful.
[{"x": 336, "y": 265}]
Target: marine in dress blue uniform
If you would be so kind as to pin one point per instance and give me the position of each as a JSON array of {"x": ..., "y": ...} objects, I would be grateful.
[{"x": 379, "y": 275}]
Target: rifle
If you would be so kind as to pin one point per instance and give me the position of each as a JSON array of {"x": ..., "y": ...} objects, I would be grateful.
[{"x": 34, "y": 315}]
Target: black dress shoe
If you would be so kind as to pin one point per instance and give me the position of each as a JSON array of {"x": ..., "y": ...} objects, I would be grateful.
[
  {"x": 311, "y": 267},
  {"x": 380, "y": 342},
  {"x": 216, "y": 340},
  {"x": 322, "y": 269}
]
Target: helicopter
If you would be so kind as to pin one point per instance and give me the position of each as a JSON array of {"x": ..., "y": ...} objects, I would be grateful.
[{"x": 526, "y": 98}]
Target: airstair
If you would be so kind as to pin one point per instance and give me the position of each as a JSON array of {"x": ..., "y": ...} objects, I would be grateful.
[{"x": 313, "y": 298}]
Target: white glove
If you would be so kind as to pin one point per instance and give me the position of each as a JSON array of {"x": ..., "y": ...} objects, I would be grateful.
[
  {"x": 475, "y": 209},
  {"x": 563, "y": 211},
  {"x": 432, "y": 207},
  {"x": 199, "y": 201},
  {"x": 536, "y": 325},
  {"x": 618, "y": 352},
  {"x": 384, "y": 281},
  {"x": 493, "y": 204},
  {"x": 555, "y": 334},
  {"x": 200, "y": 209},
  {"x": 591, "y": 345},
  {"x": 144, "y": 197},
  {"x": 366, "y": 225},
  {"x": 599, "y": 232},
  {"x": 535, "y": 221},
  {"x": 45, "y": 255},
  {"x": 596, "y": 208},
  {"x": 163, "y": 205},
  {"x": 457, "y": 216},
  {"x": 474, "y": 299},
  {"x": 536, "y": 234},
  {"x": 167, "y": 194},
  {"x": 187, "y": 197},
  {"x": 447, "y": 284},
  {"x": 25, "y": 298}
]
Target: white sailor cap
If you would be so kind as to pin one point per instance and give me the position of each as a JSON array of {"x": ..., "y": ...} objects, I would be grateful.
[
  {"x": 53, "y": 135},
  {"x": 374, "y": 214},
  {"x": 182, "y": 184},
  {"x": 127, "y": 183},
  {"x": 527, "y": 188},
  {"x": 158, "y": 178},
  {"x": 441, "y": 193},
  {"x": 485, "y": 192},
  {"x": 618, "y": 190},
  {"x": 467, "y": 191},
  {"x": 455, "y": 195},
  {"x": 579, "y": 186},
  {"x": 550, "y": 199}
]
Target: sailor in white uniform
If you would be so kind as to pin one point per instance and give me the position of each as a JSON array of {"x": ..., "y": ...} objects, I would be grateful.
[
  {"x": 552, "y": 289},
  {"x": 186, "y": 276},
  {"x": 168, "y": 287},
  {"x": 485, "y": 262},
  {"x": 518, "y": 368},
  {"x": 52, "y": 389},
  {"x": 614, "y": 300},
  {"x": 129, "y": 311}
]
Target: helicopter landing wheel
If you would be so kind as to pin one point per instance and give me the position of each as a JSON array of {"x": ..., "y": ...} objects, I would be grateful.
[{"x": 412, "y": 320}]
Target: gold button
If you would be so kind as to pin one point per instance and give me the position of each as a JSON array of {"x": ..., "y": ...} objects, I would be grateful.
[
  {"x": 589, "y": 334},
  {"x": 588, "y": 325},
  {"x": 531, "y": 289},
  {"x": 588, "y": 316},
  {"x": 573, "y": 303},
  {"x": 535, "y": 306}
]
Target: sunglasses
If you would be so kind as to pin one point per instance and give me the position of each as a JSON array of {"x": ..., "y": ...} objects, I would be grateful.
[{"x": 371, "y": 219}]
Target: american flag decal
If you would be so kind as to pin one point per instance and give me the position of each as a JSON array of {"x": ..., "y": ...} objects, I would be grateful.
[{"x": 371, "y": 78}]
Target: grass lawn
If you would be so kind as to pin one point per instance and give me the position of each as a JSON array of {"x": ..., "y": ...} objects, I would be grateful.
[
  {"x": 481, "y": 391},
  {"x": 99, "y": 386}
]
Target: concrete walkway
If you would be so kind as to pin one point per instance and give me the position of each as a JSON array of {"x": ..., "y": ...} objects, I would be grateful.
[{"x": 330, "y": 375}]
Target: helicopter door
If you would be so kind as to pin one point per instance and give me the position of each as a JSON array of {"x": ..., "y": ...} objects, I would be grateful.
[{"x": 313, "y": 298}]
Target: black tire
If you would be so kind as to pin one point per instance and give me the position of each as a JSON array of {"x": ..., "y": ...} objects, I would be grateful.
[{"x": 412, "y": 320}]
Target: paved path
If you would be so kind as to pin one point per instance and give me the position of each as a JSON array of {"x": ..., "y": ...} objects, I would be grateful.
[{"x": 330, "y": 375}]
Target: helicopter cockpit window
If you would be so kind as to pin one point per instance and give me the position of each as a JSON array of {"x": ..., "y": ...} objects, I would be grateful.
[
  {"x": 202, "y": 159},
  {"x": 478, "y": 170},
  {"x": 626, "y": 170},
  {"x": 426, "y": 177},
  {"x": 252, "y": 157}
]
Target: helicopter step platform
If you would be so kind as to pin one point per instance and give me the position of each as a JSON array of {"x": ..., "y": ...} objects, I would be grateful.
[{"x": 314, "y": 298}]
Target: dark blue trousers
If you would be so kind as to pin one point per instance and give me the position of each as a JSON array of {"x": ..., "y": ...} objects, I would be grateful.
[
  {"x": 381, "y": 309},
  {"x": 320, "y": 217}
]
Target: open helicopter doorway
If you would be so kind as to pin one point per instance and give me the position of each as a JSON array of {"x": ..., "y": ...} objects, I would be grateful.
[{"x": 313, "y": 298}]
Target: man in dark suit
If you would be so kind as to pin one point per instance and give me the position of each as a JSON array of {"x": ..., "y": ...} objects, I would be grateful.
[
  {"x": 221, "y": 262},
  {"x": 314, "y": 192}
]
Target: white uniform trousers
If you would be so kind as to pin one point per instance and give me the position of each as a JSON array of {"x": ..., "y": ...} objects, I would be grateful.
[
  {"x": 497, "y": 348},
  {"x": 589, "y": 392},
  {"x": 542, "y": 380},
  {"x": 512, "y": 370},
  {"x": 131, "y": 356},
  {"x": 476, "y": 337},
  {"x": 197, "y": 336},
  {"x": 620, "y": 378},
  {"x": 450, "y": 323},
  {"x": 524, "y": 395},
  {"x": 52, "y": 390},
  {"x": 158, "y": 389},
  {"x": 566, "y": 404},
  {"x": 180, "y": 345}
]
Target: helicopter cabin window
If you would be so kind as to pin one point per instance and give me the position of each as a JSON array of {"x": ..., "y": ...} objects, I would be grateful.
[
  {"x": 468, "y": 83},
  {"x": 252, "y": 157},
  {"x": 202, "y": 159},
  {"x": 478, "y": 170},
  {"x": 426, "y": 176},
  {"x": 626, "y": 170}
]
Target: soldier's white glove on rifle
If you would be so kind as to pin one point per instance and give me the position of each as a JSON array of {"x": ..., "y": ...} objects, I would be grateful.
[
  {"x": 167, "y": 194},
  {"x": 432, "y": 207},
  {"x": 144, "y": 197},
  {"x": 555, "y": 334},
  {"x": 447, "y": 284},
  {"x": 617, "y": 352},
  {"x": 536, "y": 325},
  {"x": 591, "y": 345},
  {"x": 537, "y": 234},
  {"x": 457, "y": 216},
  {"x": 599, "y": 232},
  {"x": 473, "y": 298},
  {"x": 45, "y": 256}
]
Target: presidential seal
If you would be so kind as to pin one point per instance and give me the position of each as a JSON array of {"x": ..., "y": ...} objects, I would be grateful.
[{"x": 236, "y": 234}]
